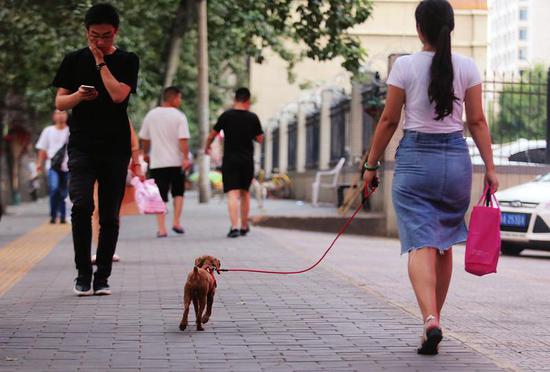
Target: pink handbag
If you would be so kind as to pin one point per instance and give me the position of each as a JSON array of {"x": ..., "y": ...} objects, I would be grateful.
[
  {"x": 483, "y": 242},
  {"x": 148, "y": 197}
]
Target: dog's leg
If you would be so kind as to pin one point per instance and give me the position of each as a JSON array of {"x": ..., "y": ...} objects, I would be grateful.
[
  {"x": 186, "y": 304},
  {"x": 209, "y": 302},
  {"x": 202, "y": 304},
  {"x": 196, "y": 305}
]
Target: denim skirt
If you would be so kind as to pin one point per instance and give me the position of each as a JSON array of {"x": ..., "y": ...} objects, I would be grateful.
[{"x": 431, "y": 190}]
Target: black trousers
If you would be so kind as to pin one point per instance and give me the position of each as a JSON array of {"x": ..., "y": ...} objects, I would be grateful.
[{"x": 110, "y": 174}]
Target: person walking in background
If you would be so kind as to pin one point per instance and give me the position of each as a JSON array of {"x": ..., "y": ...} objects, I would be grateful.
[
  {"x": 240, "y": 128},
  {"x": 96, "y": 82},
  {"x": 53, "y": 140},
  {"x": 433, "y": 173},
  {"x": 165, "y": 138}
]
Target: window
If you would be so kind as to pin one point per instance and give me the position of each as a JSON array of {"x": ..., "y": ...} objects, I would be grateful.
[
  {"x": 523, "y": 34},
  {"x": 523, "y": 14},
  {"x": 522, "y": 54}
]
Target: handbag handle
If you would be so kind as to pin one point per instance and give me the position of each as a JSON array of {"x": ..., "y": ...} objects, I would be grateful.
[{"x": 487, "y": 198}]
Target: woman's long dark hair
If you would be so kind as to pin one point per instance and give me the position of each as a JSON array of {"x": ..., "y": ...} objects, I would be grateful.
[{"x": 435, "y": 19}]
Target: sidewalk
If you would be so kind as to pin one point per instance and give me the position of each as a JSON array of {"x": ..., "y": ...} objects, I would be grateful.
[{"x": 316, "y": 321}]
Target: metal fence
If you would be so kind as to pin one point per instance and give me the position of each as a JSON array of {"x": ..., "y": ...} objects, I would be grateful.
[
  {"x": 516, "y": 108},
  {"x": 313, "y": 123},
  {"x": 339, "y": 117},
  {"x": 275, "y": 143},
  {"x": 292, "y": 143}
]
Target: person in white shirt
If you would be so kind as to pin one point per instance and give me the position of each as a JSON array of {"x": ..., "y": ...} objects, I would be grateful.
[
  {"x": 433, "y": 172},
  {"x": 165, "y": 138},
  {"x": 53, "y": 139}
]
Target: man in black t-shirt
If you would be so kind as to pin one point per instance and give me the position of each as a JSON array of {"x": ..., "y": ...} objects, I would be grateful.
[
  {"x": 96, "y": 82},
  {"x": 240, "y": 127}
]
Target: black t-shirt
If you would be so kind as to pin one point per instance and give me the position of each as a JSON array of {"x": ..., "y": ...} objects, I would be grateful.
[
  {"x": 99, "y": 126},
  {"x": 240, "y": 127}
]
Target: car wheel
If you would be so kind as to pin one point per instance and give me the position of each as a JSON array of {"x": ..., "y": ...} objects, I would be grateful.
[{"x": 510, "y": 249}]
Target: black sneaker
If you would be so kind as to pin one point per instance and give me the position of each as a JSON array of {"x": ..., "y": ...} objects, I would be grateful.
[
  {"x": 102, "y": 289},
  {"x": 52, "y": 220},
  {"x": 233, "y": 233},
  {"x": 62, "y": 220},
  {"x": 82, "y": 287},
  {"x": 244, "y": 231}
]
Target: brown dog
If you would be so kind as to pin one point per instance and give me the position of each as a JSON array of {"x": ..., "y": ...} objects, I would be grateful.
[{"x": 200, "y": 288}]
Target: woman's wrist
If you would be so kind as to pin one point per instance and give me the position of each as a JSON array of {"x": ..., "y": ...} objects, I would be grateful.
[{"x": 371, "y": 167}]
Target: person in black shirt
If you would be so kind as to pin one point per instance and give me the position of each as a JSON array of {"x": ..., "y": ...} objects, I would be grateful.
[
  {"x": 96, "y": 82},
  {"x": 240, "y": 128}
]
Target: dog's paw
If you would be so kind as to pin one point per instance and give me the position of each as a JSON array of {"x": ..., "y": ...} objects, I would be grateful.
[
  {"x": 205, "y": 319},
  {"x": 183, "y": 326},
  {"x": 200, "y": 328}
]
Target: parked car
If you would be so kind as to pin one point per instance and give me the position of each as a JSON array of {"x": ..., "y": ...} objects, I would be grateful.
[
  {"x": 521, "y": 152},
  {"x": 525, "y": 218}
]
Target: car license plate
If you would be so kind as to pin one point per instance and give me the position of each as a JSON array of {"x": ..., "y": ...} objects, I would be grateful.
[{"x": 513, "y": 219}]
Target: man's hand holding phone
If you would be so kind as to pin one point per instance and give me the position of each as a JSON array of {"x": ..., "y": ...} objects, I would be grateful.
[{"x": 87, "y": 93}]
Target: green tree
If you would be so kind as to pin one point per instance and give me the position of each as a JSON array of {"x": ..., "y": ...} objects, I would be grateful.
[
  {"x": 36, "y": 34},
  {"x": 521, "y": 108}
]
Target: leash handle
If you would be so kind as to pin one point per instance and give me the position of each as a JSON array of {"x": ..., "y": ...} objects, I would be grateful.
[{"x": 368, "y": 193}]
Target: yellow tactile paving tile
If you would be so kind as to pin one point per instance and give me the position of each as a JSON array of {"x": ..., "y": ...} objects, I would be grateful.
[{"x": 19, "y": 256}]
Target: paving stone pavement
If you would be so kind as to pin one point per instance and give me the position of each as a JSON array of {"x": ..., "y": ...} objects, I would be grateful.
[
  {"x": 504, "y": 316},
  {"x": 311, "y": 322}
]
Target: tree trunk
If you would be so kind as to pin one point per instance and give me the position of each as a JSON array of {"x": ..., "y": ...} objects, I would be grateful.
[
  {"x": 181, "y": 22},
  {"x": 204, "y": 181}
]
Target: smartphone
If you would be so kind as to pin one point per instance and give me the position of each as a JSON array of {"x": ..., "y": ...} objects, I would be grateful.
[{"x": 88, "y": 87}]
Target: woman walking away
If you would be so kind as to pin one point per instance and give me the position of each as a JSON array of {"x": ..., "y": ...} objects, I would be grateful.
[{"x": 433, "y": 173}]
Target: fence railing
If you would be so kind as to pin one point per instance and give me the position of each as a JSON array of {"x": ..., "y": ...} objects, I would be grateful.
[
  {"x": 313, "y": 123},
  {"x": 292, "y": 145},
  {"x": 275, "y": 148},
  {"x": 517, "y": 113},
  {"x": 339, "y": 116}
]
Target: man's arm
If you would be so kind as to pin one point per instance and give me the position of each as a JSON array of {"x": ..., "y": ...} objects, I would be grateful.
[
  {"x": 117, "y": 90},
  {"x": 184, "y": 148},
  {"x": 65, "y": 100},
  {"x": 213, "y": 134},
  {"x": 259, "y": 138},
  {"x": 41, "y": 157},
  {"x": 146, "y": 146}
]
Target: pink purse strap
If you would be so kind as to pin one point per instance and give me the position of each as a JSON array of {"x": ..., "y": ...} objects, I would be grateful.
[{"x": 487, "y": 198}]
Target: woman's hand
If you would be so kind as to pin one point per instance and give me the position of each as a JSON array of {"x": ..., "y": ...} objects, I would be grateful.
[
  {"x": 491, "y": 179},
  {"x": 371, "y": 180}
]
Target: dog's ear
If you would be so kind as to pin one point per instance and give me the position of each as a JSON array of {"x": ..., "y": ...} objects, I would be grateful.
[{"x": 199, "y": 261}]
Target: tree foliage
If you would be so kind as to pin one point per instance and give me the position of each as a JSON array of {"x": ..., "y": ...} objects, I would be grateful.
[
  {"x": 522, "y": 108},
  {"x": 36, "y": 34}
]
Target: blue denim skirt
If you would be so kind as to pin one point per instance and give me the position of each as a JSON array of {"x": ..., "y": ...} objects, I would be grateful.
[{"x": 431, "y": 190}]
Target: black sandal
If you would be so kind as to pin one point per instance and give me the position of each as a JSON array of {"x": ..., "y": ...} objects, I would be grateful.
[{"x": 430, "y": 344}]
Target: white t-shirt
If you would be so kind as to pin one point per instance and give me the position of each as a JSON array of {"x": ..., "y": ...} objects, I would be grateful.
[
  {"x": 52, "y": 139},
  {"x": 164, "y": 127},
  {"x": 412, "y": 73}
]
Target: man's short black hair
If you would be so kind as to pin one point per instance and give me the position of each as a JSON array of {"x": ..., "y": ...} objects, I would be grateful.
[
  {"x": 100, "y": 14},
  {"x": 242, "y": 95},
  {"x": 170, "y": 92}
]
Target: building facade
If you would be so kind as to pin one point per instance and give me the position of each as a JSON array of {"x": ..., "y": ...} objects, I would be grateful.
[
  {"x": 390, "y": 30},
  {"x": 517, "y": 37}
]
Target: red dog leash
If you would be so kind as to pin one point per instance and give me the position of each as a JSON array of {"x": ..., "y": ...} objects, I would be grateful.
[{"x": 368, "y": 192}]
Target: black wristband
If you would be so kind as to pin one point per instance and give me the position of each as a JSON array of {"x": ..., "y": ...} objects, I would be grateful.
[
  {"x": 369, "y": 168},
  {"x": 100, "y": 65}
]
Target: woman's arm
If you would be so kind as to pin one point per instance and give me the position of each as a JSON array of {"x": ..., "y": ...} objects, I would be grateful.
[
  {"x": 387, "y": 124},
  {"x": 477, "y": 124},
  {"x": 386, "y": 127}
]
